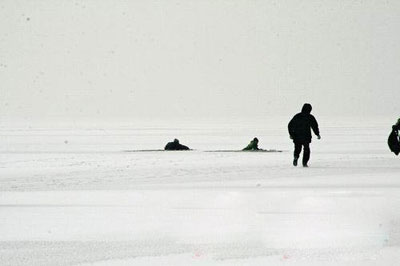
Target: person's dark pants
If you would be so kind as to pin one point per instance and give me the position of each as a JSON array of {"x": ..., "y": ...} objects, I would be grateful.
[{"x": 306, "y": 151}]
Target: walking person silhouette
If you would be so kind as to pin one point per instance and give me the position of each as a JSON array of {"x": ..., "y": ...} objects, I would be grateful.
[{"x": 300, "y": 131}]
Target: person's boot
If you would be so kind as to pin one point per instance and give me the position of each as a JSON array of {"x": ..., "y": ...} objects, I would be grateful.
[
  {"x": 305, "y": 165},
  {"x": 295, "y": 161}
]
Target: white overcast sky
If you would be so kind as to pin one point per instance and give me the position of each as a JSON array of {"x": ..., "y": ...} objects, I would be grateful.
[{"x": 143, "y": 58}]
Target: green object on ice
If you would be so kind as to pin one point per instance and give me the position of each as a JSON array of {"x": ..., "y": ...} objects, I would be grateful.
[{"x": 253, "y": 145}]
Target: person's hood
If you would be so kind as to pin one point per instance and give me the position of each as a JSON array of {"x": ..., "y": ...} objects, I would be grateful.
[{"x": 306, "y": 108}]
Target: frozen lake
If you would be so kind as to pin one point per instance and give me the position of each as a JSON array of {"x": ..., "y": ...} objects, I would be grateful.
[{"x": 72, "y": 195}]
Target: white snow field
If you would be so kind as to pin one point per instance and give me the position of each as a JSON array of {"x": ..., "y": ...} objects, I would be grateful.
[{"x": 72, "y": 195}]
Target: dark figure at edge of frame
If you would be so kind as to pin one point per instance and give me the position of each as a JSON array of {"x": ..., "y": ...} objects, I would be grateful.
[
  {"x": 253, "y": 145},
  {"x": 393, "y": 140},
  {"x": 175, "y": 146},
  {"x": 300, "y": 131}
]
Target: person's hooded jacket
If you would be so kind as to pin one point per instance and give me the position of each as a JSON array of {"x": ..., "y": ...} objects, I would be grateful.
[
  {"x": 175, "y": 146},
  {"x": 301, "y": 124},
  {"x": 253, "y": 146}
]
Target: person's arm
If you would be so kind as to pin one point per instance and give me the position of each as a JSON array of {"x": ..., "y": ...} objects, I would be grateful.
[
  {"x": 291, "y": 127},
  {"x": 396, "y": 129},
  {"x": 314, "y": 126}
]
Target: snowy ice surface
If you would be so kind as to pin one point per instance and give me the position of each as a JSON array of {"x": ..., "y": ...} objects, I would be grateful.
[{"x": 72, "y": 195}]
